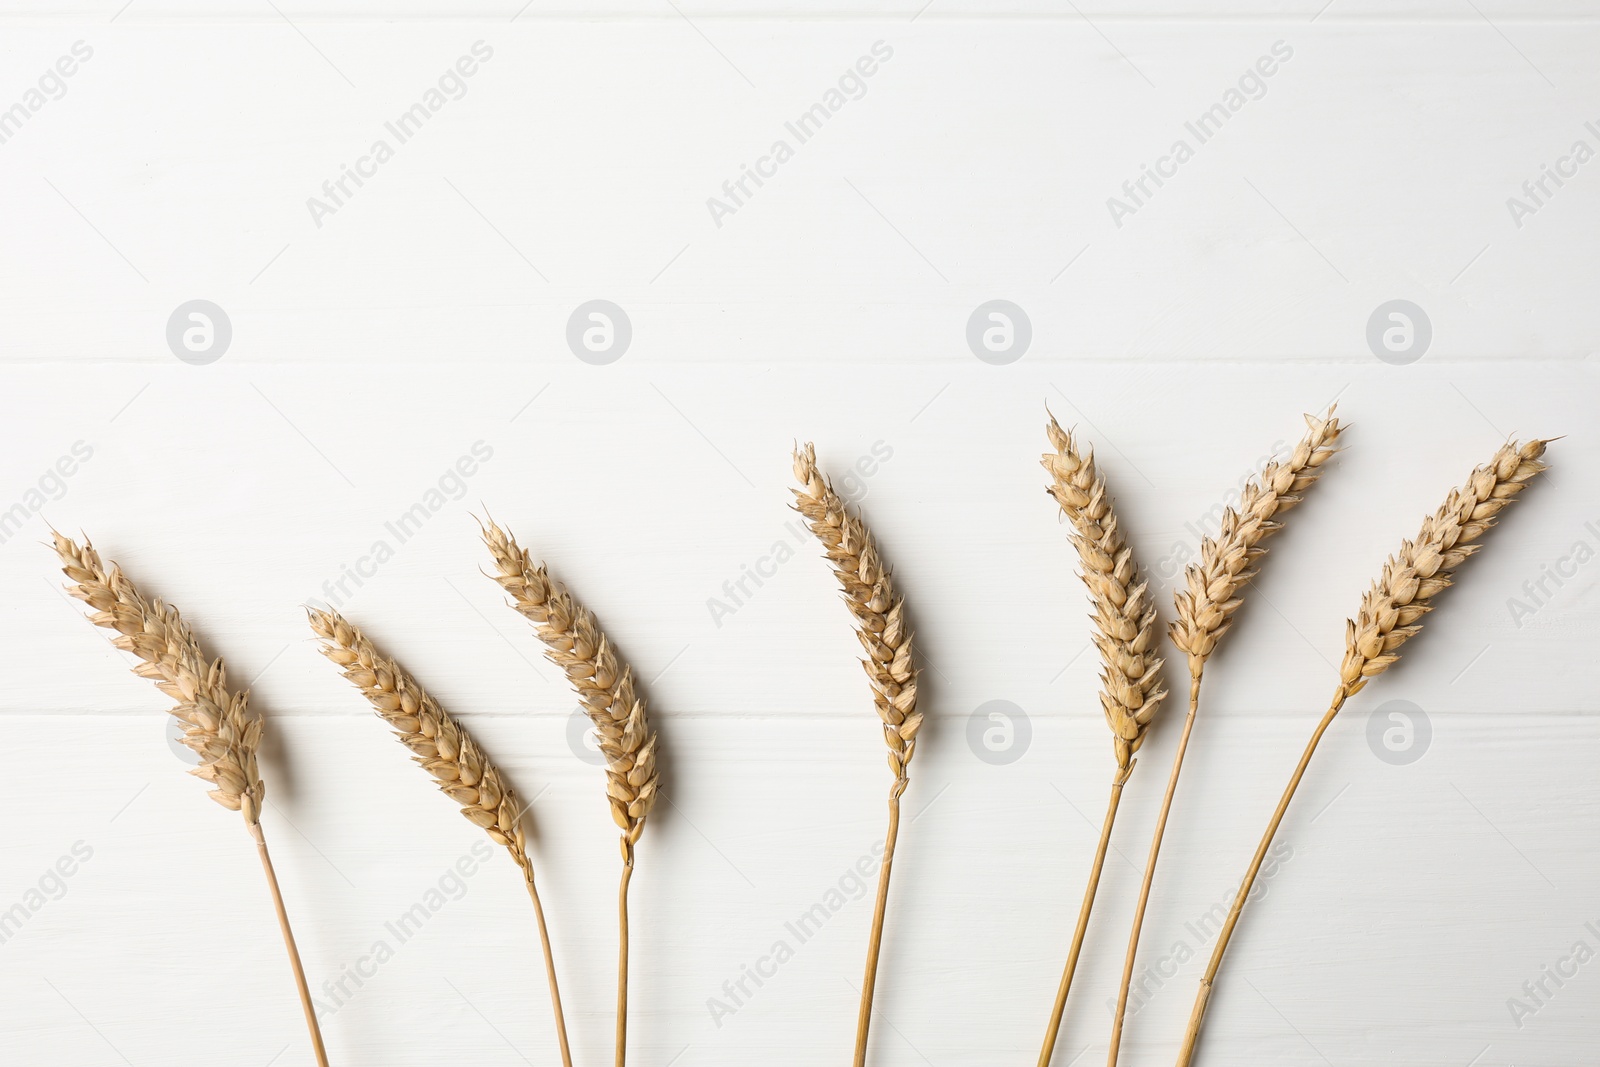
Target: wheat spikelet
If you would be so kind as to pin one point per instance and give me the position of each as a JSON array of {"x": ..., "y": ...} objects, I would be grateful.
[
  {"x": 879, "y": 612},
  {"x": 217, "y": 724},
  {"x": 1124, "y": 613},
  {"x": 439, "y": 744},
  {"x": 575, "y": 643},
  {"x": 1391, "y": 613},
  {"x": 1228, "y": 561}
]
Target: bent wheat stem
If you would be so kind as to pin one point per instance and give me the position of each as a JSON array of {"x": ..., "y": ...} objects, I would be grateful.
[{"x": 1391, "y": 613}]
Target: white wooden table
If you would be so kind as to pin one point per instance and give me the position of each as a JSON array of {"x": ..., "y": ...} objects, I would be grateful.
[{"x": 377, "y": 334}]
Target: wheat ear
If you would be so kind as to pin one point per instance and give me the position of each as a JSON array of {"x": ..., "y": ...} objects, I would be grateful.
[
  {"x": 217, "y": 724},
  {"x": 443, "y": 748},
  {"x": 1205, "y": 611},
  {"x": 1391, "y": 614},
  {"x": 879, "y": 612},
  {"x": 1125, "y": 633},
  {"x": 575, "y": 643}
]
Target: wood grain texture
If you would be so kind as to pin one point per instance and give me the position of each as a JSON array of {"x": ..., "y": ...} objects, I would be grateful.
[{"x": 422, "y": 327}]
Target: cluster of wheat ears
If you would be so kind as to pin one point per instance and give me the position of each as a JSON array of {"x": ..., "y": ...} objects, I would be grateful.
[{"x": 219, "y": 727}]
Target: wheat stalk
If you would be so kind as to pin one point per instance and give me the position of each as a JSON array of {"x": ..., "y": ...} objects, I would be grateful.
[
  {"x": 1205, "y": 611},
  {"x": 575, "y": 643},
  {"x": 879, "y": 612},
  {"x": 1391, "y": 614},
  {"x": 1126, "y": 635},
  {"x": 217, "y": 724},
  {"x": 443, "y": 748}
]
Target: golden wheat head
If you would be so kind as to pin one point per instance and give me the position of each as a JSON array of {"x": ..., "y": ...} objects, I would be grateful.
[
  {"x": 879, "y": 611},
  {"x": 217, "y": 724},
  {"x": 575, "y": 643},
  {"x": 1392, "y": 609},
  {"x": 1228, "y": 561},
  {"x": 438, "y": 743},
  {"x": 1124, "y": 612}
]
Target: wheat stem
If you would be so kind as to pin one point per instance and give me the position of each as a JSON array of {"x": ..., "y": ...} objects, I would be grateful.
[
  {"x": 869, "y": 980},
  {"x": 288, "y": 942},
  {"x": 550, "y": 972},
  {"x": 1060, "y": 1008},
  {"x": 622, "y": 959},
  {"x": 1149, "y": 871},
  {"x": 1192, "y": 1035}
]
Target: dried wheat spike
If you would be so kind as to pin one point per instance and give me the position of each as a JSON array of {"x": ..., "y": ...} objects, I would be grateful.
[
  {"x": 1124, "y": 613},
  {"x": 217, "y": 723},
  {"x": 437, "y": 742},
  {"x": 575, "y": 643},
  {"x": 1228, "y": 561},
  {"x": 1392, "y": 610},
  {"x": 879, "y": 612}
]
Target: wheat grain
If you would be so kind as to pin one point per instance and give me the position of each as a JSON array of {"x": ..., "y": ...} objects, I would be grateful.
[
  {"x": 1205, "y": 611},
  {"x": 880, "y": 615},
  {"x": 1391, "y": 613},
  {"x": 217, "y": 724},
  {"x": 443, "y": 748}
]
